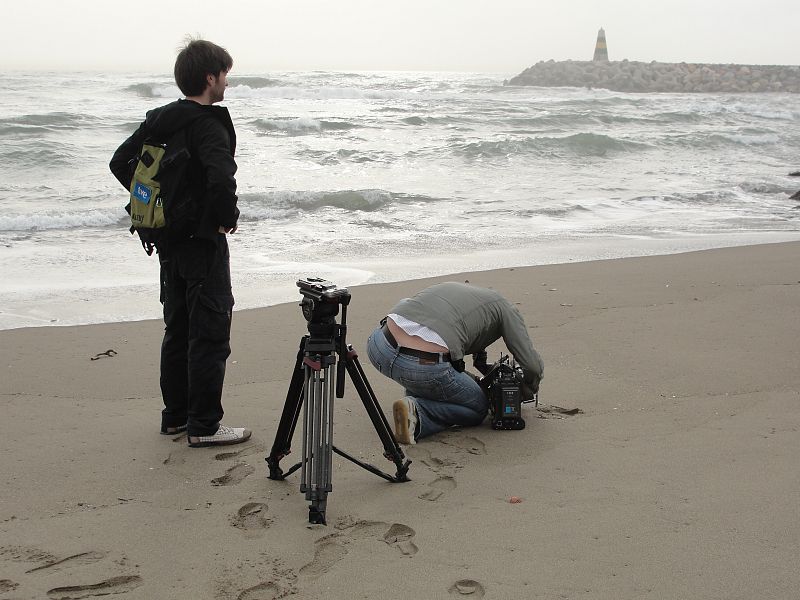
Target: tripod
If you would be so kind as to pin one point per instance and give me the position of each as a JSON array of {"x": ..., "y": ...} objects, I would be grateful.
[{"x": 312, "y": 389}]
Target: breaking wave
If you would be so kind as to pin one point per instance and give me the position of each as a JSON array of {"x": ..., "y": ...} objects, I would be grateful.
[
  {"x": 154, "y": 90},
  {"x": 286, "y": 204},
  {"x": 322, "y": 93},
  {"x": 253, "y": 82},
  {"x": 345, "y": 155},
  {"x": 33, "y": 153},
  {"x": 38, "y": 123},
  {"x": 709, "y": 198},
  {"x": 301, "y": 126},
  {"x": 582, "y": 144},
  {"x": 63, "y": 220},
  {"x": 747, "y": 139}
]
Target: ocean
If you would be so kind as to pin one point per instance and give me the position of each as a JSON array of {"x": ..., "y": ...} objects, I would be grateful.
[{"x": 375, "y": 177}]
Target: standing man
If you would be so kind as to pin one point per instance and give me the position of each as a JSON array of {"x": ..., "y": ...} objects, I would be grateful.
[
  {"x": 194, "y": 259},
  {"x": 421, "y": 345}
]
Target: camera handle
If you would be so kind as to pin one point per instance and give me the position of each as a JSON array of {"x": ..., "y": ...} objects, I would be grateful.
[{"x": 311, "y": 388}]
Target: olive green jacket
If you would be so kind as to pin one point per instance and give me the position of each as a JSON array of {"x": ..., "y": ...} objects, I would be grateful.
[{"x": 469, "y": 319}]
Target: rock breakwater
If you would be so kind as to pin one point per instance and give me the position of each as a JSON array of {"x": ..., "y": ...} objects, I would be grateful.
[{"x": 634, "y": 76}]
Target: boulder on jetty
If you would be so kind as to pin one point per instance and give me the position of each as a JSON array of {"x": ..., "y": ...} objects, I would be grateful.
[{"x": 633, "y": 76}]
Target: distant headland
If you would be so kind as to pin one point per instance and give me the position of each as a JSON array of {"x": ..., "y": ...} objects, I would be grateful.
[{"x": 633, "y": 76}]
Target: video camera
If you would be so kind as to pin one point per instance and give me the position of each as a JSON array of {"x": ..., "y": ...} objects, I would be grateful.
[{"x": 502, "y": 382}]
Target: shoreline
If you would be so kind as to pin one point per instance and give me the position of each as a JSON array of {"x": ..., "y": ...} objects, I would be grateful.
[{"x": 270, "y": 292}]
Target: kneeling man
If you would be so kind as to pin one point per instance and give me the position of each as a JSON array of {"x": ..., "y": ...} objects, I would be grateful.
[{"x": 421, "y": 345}]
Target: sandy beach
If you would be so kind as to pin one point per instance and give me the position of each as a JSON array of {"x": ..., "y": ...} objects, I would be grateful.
[{"x": 661, "y": 463}]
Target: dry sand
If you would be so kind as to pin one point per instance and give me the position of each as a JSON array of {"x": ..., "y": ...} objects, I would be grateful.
[{"x": 678, "y": 478}]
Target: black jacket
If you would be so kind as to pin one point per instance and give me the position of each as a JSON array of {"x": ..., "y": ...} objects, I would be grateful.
[{"x": 211, "y": 141}]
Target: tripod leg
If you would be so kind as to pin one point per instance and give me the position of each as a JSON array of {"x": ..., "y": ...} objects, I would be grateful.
[
  {"x": 318, "y": 435},
  {"x": 288, "y": 422},
  {"x": 392, "y": 449}
]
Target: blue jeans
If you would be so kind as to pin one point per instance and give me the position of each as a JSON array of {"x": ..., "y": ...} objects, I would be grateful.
[{"x": 444, "y": 397}]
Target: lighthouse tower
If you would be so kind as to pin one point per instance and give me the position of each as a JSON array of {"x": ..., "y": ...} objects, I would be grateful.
[{"x": 600, "y": 49}]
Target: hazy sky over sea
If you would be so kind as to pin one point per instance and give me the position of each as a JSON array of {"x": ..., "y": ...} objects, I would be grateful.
[{"x": 458, "y": 35}]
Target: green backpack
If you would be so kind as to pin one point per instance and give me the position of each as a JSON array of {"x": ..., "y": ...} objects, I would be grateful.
[{"x": 160, "y": 199}]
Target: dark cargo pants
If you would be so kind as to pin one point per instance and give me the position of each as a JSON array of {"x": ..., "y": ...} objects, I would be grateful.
[{"x": 198, "y": 304}]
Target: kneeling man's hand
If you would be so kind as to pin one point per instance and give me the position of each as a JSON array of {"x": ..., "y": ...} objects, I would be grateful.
[{"x": 530, "y": 389}]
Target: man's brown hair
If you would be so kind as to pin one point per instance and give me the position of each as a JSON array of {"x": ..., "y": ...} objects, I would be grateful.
[{"x": 197, "y": 59}]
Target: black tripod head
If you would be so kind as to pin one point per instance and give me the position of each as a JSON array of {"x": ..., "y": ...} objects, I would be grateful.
[
  {"x": 321, "y": 300},
  {"x": 320, "y": 305}
]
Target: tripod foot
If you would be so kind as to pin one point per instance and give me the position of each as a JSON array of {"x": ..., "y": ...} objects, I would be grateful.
[
  {"x": 316, "y": 516},
  {"x": 402, "y": 472},
  {"x": 275, "y": 472}
]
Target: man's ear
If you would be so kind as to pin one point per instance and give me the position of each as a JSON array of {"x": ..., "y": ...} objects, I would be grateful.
[{"x": 209, "y": 80}]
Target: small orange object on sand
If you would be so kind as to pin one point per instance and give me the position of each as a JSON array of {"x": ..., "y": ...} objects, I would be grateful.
[{"x": 515, "y": 500}]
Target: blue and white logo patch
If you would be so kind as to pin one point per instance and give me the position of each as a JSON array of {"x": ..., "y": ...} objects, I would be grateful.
[{"x": 142, "y": 193}]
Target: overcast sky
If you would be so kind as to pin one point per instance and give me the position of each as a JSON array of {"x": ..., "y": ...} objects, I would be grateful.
[{"x": 500, "y": 36}]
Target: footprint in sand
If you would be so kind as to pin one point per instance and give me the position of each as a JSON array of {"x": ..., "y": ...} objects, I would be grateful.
[
  {"x": 278, "y": 584},
  {"x": 328, "y": 551},
  {"x": 251, "y": 517},
  {"x": 467, "y": 587},
  {"x": 332, "y": 548},
  {"x": 468, "y": 443},
  {"x": 49, "y": 564},
  {"x": 234, "y": 475},
  {"x": 399, "y": 536},
  {"x": 84, "y": 558},
  {"x": 244, "y": 451},
  {"x": 438, "y": 487},
  {"x": 427, "y": 458},
  {"x": 26, "y": 554},
  {"x": 263, "y": 591},
  {"x": 556, "y": 412},
  {"x": 115, "y": 585}
]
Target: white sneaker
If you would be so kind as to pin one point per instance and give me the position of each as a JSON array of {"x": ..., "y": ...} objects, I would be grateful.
[
  {"x": 405, "y": 420},
  {"x": 224, "y": 436}
]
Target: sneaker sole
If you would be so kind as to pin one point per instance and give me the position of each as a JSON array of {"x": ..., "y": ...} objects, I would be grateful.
[
  {"x": 400, "y": 413},
  {"x": 244, "y": 438}
]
